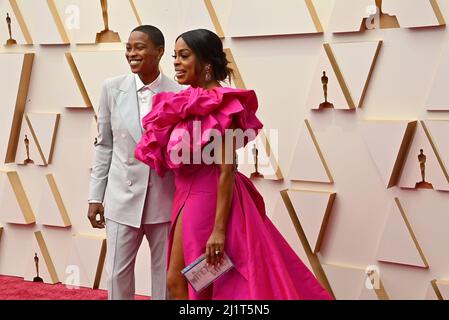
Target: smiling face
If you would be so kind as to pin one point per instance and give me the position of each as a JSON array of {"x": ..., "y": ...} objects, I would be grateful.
[
  {"x": 187, "y": 67},
  {"x": 142, "y": 55}
]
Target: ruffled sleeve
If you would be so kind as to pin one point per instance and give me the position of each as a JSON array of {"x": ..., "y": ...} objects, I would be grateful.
[{"x": 188, "y": 117}]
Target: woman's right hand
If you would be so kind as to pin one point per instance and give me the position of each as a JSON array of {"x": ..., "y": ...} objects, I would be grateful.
[{"x": 215, "y": 248}]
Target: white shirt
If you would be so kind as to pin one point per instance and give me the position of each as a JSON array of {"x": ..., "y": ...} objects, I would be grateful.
[{"x": 145, "y": 94}]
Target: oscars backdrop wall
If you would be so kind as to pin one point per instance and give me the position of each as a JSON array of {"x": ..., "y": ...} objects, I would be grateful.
[{"x": 352, "y": 163}]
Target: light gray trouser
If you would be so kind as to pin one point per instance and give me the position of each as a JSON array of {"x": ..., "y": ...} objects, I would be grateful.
[{"x": 123, "y": 242}]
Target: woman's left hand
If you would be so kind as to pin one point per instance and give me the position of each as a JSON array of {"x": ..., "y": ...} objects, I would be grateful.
[{"x": 215, "y": 247}]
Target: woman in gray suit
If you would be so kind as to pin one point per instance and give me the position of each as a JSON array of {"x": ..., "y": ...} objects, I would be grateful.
[{"x": 125, "y": 197}]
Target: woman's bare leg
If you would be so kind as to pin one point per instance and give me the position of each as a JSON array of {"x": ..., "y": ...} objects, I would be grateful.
[{"x": 176, "y": 283}]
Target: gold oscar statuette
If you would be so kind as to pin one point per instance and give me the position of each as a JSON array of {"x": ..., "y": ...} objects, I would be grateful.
[
  {"x": 325, "y": 82},
  {"x": 106, "y": 35},
  {"x": 36, "y": 262},
  {"x": 27, "y": 146},
  {"x": 423, "y": 184},
  {"x": 256, "y": 173},
  {"x": 10, "y": 41}
]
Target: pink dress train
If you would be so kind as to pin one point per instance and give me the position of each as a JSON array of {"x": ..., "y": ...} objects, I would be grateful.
[{"x": 266, "y": 267}]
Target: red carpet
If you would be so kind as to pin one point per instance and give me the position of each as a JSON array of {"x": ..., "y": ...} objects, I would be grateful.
[{"x": 14, "y": 288}]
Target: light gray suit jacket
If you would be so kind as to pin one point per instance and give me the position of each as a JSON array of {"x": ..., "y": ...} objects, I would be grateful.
[{"x": 128, "y": 188}]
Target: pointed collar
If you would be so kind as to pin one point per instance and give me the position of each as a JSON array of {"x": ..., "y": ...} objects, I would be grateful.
[{"x": 153, "y": 86}]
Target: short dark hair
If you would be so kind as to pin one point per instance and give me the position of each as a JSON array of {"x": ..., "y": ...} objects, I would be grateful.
[
  {"x": 208, "y": 47},
  {"x": 154, "y": 34}
]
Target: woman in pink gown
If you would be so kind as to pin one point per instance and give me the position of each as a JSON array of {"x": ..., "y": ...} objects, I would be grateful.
[{"x": 216, "y": 209}]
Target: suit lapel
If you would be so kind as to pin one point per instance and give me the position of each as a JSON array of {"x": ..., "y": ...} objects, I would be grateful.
[{"x": 128, "y": 106}]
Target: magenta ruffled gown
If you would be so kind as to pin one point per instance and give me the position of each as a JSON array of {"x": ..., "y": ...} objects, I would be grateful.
[{"x": 266, "y": 267}]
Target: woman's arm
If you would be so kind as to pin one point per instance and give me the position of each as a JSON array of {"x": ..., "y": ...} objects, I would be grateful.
[{"x": 216, "y": 242}]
